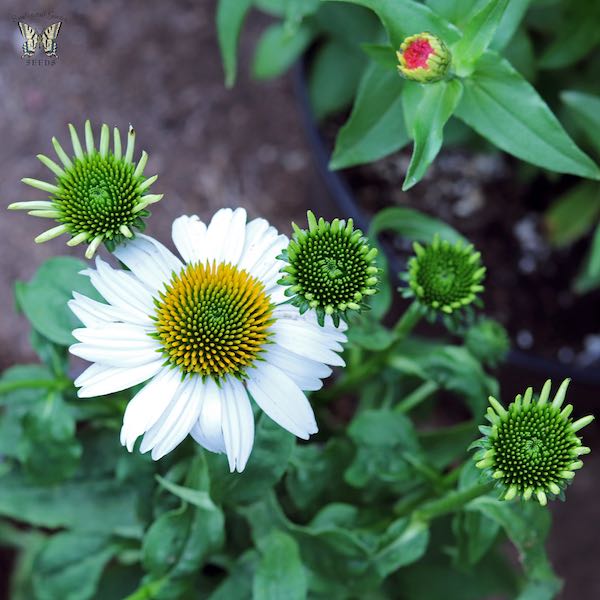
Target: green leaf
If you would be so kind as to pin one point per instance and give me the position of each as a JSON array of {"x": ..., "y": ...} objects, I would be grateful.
[
  {"x": 101, "y": 506},
  {"x": 527, "y": 525},
  {"x": 280, "y": 573},
  {"x": 278, "y": 49},
  {"x": 334, "y": 77},
  {"x": 402, "y": 18},
  {"x": 575, "y": 38},
  {"x": 455, "y": 369},
  {"x": 383, "y": 439},
  {"x": 476, "y": 534},
  {"x": 200, "y": 498},
  {"x": 316, "y": 472},
  {"x": 383, "y": 55},
  {"x": 412, "y": 225},
  {"x": 230, "y": 18},
  {"x": 586, "y": 110},
  {"x": 48, "y": 448},
  {"x": 44, "y": 298},
  {"x": 179, "y": 541},
  {"x": 502, "y": 107},
  {"x": 70, "y": 565},
  {"x": 403, "y": 543},
  {"x": 238, "y": 585},
  {"x": 376, "y": 125},
  {"x": 427, "y": 108},
  {"x": 273, "y": 447},
  {"x": 444, "y": 446},
  {"x": 477, "y": 35},
  {"x": 589, "y": 277},
  {"x": 512, "y": 18},
  {"x": 573, "y": 214},
  {"x": 369, "y": 334}
]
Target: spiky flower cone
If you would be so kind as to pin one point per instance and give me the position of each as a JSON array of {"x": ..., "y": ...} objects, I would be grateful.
[
  {"x": 424, "y": 58},
  {"x": 531, "y": 448},
  {"x": 330, "y": 268},
  {"x": 444, "y": 278},
  {"x": 99, "y": 195}
]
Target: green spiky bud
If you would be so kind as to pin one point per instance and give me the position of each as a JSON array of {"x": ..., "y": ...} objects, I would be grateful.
[
  {"x": 444, "y": 278},
  {"x": 531, "y": 448},
  {"x": 99, "y": 194},
  {"x": 424, "y": 58},
  {"x": 488, "y": 341},
  {"x": 330, "y": 268}
]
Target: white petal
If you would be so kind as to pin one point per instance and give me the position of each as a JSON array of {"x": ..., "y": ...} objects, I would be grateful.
[
  {"x": 99, "y": 380},
  {"x": 305, "y": 372},
  {"x": 267, "y": 268},
  {"x": 217, "y": 234},
  {"x": 147, "y": 406},
  {"x": 189, "y": 237},
  {"x": 95, "y": 314},
  {"x": 208, "y": 429},
  {"x": 238, "y": 424},
  {"x": 259, "y": 236},
  {"x": 121, "y": 289},
  {"x": 234, "y": 243},
  {"x": 149, "y": 260},
  {"x": 177, "y": 421},
  {"x": 306, "y": 340},
  {"x": 282, "y": 400}
]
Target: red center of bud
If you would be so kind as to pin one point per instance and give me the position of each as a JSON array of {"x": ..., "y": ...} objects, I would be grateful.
[{"x": 417, "y": 53}]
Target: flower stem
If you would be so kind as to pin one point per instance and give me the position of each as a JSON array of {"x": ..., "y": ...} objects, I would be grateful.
[
  {"x": 453, "y": 501},
  {"x": 407, "y": 322},
  {"x": 9, "y": 386},
  {"x": 424, "y": 391}
]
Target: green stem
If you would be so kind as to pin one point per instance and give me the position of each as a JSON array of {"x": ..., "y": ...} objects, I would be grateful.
[
  {"x": 452, "y": 501},
  {"x": 9, "y": 386},
  {"x": 424, "y": 391},
  {"x": 407, "y": 322}
]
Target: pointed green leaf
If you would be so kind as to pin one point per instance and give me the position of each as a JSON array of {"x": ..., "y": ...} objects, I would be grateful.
[
  {"x": 376, "y": 126},
  {"x": 504, "y": 108},
  {"x": 573, "y": 214},
  {"x": 230, "y": 18},
  {"x": 402, "y": 18},
  {"x": 427, "y": 108},
  {"x": 279, "y": 48},
  {"x": 478, "y": 34}
]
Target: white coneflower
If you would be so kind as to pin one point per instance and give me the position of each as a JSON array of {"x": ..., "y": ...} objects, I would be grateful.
[
  {"x": 208, "y": 333},
  {"x": 99, "y": 194}
]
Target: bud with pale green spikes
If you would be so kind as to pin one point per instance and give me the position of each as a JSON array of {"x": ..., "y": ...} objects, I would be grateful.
[
  {"x": 99, "y": 194},
  {"x": 330, "y": 268},
  {"x": 531, "y": 449},
  {"x": 444, "y": 279}
]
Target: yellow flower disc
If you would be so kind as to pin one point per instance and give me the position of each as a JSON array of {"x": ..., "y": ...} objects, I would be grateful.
[{"x": 213, "y": 320}]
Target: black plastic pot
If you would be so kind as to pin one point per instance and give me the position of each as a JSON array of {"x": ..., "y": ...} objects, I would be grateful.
[{"x": 520, "y": 367}]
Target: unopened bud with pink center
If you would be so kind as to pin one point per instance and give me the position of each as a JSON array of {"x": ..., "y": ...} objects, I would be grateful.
[{"x": 424, "y": 58}]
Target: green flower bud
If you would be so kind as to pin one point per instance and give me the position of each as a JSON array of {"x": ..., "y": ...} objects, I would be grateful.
[
  {"x": 99, "y": 195},
  {"x": 444, "y": 278},
  {"x": 330, "y": 268},
  {"x": 424, "y": 58},
  {"x": 531, "y": 448}
]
